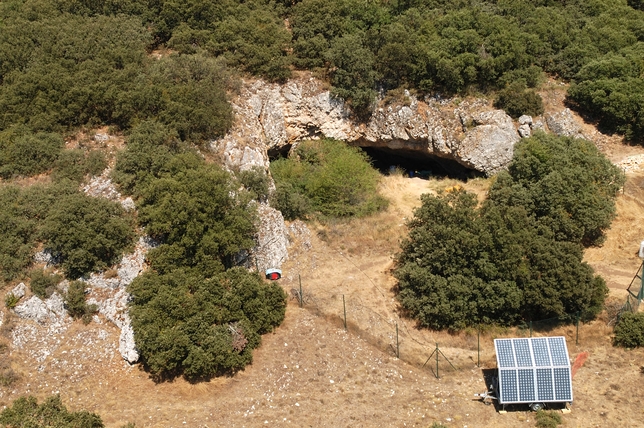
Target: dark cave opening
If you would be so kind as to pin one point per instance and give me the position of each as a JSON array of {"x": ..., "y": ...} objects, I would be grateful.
[
  {"x": 415, "y": 164},
  {"x": 412, "y": 163}
]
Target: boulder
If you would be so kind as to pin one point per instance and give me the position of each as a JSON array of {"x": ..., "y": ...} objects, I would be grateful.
[
  {"x": 563, "y": 123},
  {"x": 43, "y": 312},
  {"x": 19, "y": 290},
  {"x": 127, "y": 346}
]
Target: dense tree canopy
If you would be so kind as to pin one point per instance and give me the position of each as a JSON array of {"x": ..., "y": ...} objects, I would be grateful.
[
  {"x": 565, "y": 184},
  {"x": 70, "y": 63},
  {"x": 86, "y": 233},
  {"x": 200, "y": 327},
  {"x": 518, "y": 256}
]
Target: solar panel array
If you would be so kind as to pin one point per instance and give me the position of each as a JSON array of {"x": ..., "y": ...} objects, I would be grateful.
[{"x": 531, "y": 370}]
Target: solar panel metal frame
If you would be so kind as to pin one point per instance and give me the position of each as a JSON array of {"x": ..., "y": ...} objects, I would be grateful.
[{"x": 535, "y": 369}]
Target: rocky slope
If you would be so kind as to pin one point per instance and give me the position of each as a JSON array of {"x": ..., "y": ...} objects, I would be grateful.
[{"x": 271, "y": 118}]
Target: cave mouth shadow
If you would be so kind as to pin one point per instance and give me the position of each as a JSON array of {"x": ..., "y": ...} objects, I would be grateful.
[{"x": 414, "y": 164}]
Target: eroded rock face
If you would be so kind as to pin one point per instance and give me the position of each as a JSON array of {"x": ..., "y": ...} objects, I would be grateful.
[
  {"x": 271, "y": 117},
  {"x": 272, "y": 239},
  {"x": 51, "y": 310}
]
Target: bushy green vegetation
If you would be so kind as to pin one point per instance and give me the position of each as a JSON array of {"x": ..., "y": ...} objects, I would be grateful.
[
  {"x": 76, "y": 304},
  {"x": 86, "y": 233},
  {"x": 516, "y": 100},
  {"x": 42, "y": 283},
  {"x": 25, "y": 412},
  {"x": 565, "y": 184},
  {"x": 70, "y": 63},
  {"x": 63, "y": 66},
  {"x": 76, "y": 164},
  {"x": 438, "y": 46},
  {"x": 22, "y": 212},
  {"x": 187, "y": 323},
  {"x": 23, "y": 153},
  {"x": 518, "y": 256},
  {"x": 326, "y": 177},
  {"x": 83, "y": 233},
  {"x": 629, "y": 331},
  {"x": 194, "y": 313}
]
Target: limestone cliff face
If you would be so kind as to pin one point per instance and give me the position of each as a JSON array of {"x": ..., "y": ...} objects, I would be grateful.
[{"x": 271, "y": 118}]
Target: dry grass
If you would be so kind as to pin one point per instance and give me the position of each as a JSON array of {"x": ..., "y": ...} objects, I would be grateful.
[{"x": 310, "y": 372}]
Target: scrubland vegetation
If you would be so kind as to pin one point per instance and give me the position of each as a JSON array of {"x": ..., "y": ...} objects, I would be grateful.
[
  {"x": 518, "y": 256},
  {"x": 159, "y": 73}
]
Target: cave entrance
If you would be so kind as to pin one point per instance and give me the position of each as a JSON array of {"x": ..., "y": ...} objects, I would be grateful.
[{"x": 416, "y": 164}]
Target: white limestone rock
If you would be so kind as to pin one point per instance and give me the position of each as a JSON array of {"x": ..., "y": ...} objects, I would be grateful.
[
  {"x": 42, "y": 312},
  {"x": 270, "y": 117},
  {"x": 19, "y": 290},
  {"x": 564, "y": 124},
  {"x": 524, "y": 131},
  {"x": 272, "y": 239},
  {"x": 127, "y": 347}
]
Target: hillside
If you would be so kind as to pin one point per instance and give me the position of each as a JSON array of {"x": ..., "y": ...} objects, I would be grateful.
[{"x": 311, "y": 372}]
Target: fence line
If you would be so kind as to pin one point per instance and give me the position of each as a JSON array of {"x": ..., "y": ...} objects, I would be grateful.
[{"x": 355, "y": 314}]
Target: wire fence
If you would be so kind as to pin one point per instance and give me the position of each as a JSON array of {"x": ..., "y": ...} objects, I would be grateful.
[
  {"x": 400, "y": 338},
  {"x": 635, "y": 294}
]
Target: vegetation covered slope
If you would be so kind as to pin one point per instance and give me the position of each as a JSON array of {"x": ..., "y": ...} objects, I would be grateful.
[
  {"x": 518, "y": 256},
  {"x": 194, "y": 312},
  {"x": 73, "y": 62}
]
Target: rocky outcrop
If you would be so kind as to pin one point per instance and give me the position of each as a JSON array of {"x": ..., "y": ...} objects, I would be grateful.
[
  {"x": 272, "y": 239},
  {"x": 112, "y": 299},
  {"x": 271, "y": 118},
  {"x": 19, "y": 290},
  {"x": 102, "y": 186},
  {"x": 563, "y": 123},
  {"x": 51, "y": 310}
]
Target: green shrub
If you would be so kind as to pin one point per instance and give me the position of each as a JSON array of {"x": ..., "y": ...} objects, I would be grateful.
[
  {"x": 629, "y": 331},
  {"x": 548, "y": 419},
  {"x": 518, "y": 256},
  {"x": 198, "y": 214},
  {"x": 290, "y": 202},
  {"x": 328, "y": 176},
  {"x": 150, "y": 147},
  {"x": 26, "y": 412},
  {"x": 43, "y": 284},
  {"x": 100, "y": 233},
  {"x": 565, "y": 184},
  {"x": 11, "y": 300},
  {"x": 516, "y": 100},
  {"x": 76, "y": 304},
  {"x": 256, "y": 181},
  {"x": 23, "y": 153},
  {"x": 185, "y": 323},
  {"x": 75, "y": 164}
]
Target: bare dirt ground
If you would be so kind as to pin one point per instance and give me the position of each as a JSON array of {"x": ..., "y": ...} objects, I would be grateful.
[{"x": 311, "y": 372}]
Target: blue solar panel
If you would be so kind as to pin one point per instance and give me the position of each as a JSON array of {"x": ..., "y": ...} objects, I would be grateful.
[
  {"x": 522, "y": 350},
  {"x": 544, "y": 385},
  {"x": 558, "y": 351},
  {"x": 526, "y": 385},
  {"x": 504, "y": 352},
  {"x": 508, "y": 386},
  {"x": 540, "y": 350},
  {"x": 533, "y": 370},
  {"x": 563, "y": 391}
]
